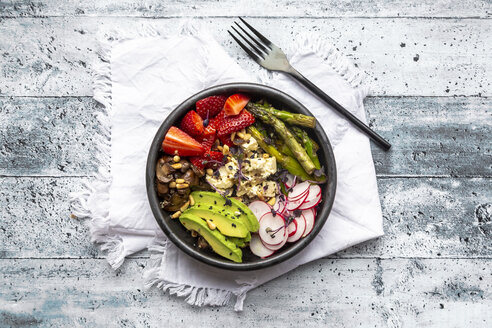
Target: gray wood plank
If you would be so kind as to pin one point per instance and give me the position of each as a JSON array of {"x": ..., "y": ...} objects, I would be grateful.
[
  {"x": 231, "y": 8},
  {"x": 430, "y": 136},
  {"x": 423, "y": 218},
  {"x": 403, "y": 57},
  {"x": 335, "y": 293}
]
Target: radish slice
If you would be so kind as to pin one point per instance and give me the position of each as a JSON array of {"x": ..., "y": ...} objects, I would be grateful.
[
  {"x": 299, "y": 190},
  {"x": 279, "y": 246},
  {"x": 279, "y": 205},
  {"x": 259, "y": 208},
  {"x": 295, "y": 204},
  {"x": 313, "y": 198},
  {"x": 301, "y": 227},
  {"x": 292, "y": 228},
  {"x": 291, "y": 181},
  {"x": 269, "y": 223},
  {"x": 309, "y": 218},
  {"x": 258, "y": 248}
]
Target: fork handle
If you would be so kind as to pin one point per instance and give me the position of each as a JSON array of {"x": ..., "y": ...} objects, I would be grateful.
[{"x": 339, "y": 108}]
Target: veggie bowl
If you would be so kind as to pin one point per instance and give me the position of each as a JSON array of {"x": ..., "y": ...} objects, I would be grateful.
[{"x": 240, "y": 176}]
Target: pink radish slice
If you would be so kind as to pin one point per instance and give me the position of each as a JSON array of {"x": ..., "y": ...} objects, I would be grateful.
[
  {"x": 299, "y": 190},
  {"x": 279, "y": 246},
  {"x": 301, "y": 226},
  {"x": 258, "y": 248},
  {"x": 271, "y": 223},
  {"x": 294, "y": 204},
  {"x": 312, "y": 200},
  {"x": 292, "y": 228},
  {"x": 279, "y": 205},
  {"x": 291, "y": 181},
  {"x": 259, "y": 208},
  {"x": 309, "y": 218}
]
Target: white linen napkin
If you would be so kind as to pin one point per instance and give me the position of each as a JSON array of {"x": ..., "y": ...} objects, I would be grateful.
[{"x": 140, "y": 81}]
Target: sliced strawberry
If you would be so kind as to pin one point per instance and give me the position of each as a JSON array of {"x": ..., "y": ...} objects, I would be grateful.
[
  {"x": 235, "y": 123},
  {"x": 197, "y": 161},
  {"x": 235, "y": 103},
  {"x": 210, "y": 159},
  {"x": 210, "y": 106},
  {"x": 177, "y": 141},
  {"x": 214, "y": 123},
  {"x": 192, "y": 124},
  {"x": 226, "y": 140}
]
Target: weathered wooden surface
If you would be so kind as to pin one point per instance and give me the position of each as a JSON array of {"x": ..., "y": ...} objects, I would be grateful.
[
  {"x": 432, "y": 268},
  {"x": 231, "y": 8},
  {"x": 403, "y": 57},
  {"x": 53, "y": 136},
  {"x": 364, "y": 292}
]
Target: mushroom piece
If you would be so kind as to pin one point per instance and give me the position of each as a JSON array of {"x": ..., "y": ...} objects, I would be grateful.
[
  {"x": 163, "y": 169},
  {"x": 191, "y": 178},
  {"x": 162, "y": 188}
]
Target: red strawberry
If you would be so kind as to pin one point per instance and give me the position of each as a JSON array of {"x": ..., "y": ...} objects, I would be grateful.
[
  {"x": 209, "y": 159},
  {"x": 226, "y": 140},
  {"x": 214, "y": 123},
  {"x": 235, "y": 103},
  {"x": 210, "y": 106},
  {"x": 212, "y": 157},
  {"x": 235, "y": 123},
  {"x": 192, "y": 124},
  {"x": 197, "y": 161},
  {"x": 180, "y": 142}
]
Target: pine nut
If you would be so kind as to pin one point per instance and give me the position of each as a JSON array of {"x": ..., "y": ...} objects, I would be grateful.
[
  {"x": 176, "y": 158},
  {"x": 266, "y": 155},
  {"x": 177, "y": 166},
  {"x": 211, "y": 225},
  {"x": 220, "y": 148},
  {"x": 176, "y": 215},
  {"x": 210, "y": 172},
  {"x": 272, "y": 201},
  {"x": 192, "y": 200},
  {"x": 185, "y": 206},
  {"x": 240, "y": 135},
  {"x": 225, "y": 150},
  {"x": 182, "y": 185},
  {"x": 180, "y": 181},
  {"x": 247, "y": 136},
  {"x": 172, "y": 184},
  {"x": 233, "y": 136}
]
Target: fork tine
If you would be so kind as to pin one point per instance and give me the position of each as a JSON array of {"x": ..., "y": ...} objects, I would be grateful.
[
  {"x": 260, "y": 45},
  {"x": 258, "y": 34},
  {"x": 250, "y": 53},
  {"x": 258, "y": 51}
]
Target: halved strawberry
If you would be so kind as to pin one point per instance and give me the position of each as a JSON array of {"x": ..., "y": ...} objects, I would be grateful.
[
  {"x": 235, "y": 103},
  {"x": 197, "y": 161},
  {"x": 179, "y": 142},
  {"x": 226, "y": 140},
  {"x": 192, "y": 124},
  {"x": 214, "y": 123},
  {"x": 210, "y": 159},
  {"x": 210, "y": 106},
  {"x": 207, "y": 140},
  {"x": 235, "y": 123}
]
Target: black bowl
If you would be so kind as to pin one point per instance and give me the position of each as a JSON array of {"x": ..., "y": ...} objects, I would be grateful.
[{"x": 182, "y": 238}]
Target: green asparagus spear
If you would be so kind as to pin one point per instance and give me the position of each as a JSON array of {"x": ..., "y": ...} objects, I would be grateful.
[
  {"x": 289, "y": 163},
  {"x": 288, "y": 117},
  {"x": 308, "y": 145},
  {"x": 289, "y": 139}
]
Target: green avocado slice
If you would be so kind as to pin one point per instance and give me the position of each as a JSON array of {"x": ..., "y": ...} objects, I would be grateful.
[
  {"x": 219, "y": 243},
  {"x": 240, "y": 242},
  {"x": 228, "y": 225},
  {"x": 235, "y": 207}
]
